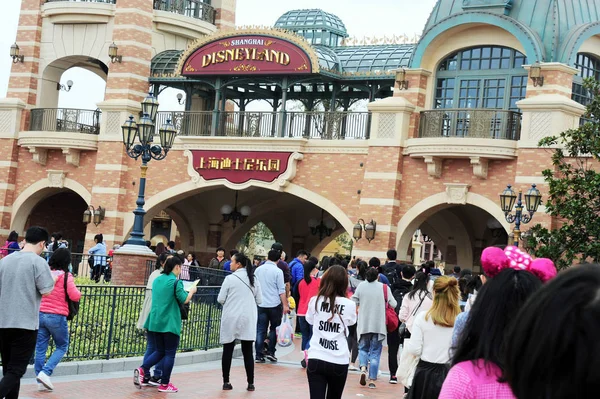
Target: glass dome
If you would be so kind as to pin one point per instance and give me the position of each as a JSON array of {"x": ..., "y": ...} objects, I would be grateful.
[
  {"x": 316, "y": 26},
  {"x": 374, "y": 58},
  {"x": 165, "y": 62}
]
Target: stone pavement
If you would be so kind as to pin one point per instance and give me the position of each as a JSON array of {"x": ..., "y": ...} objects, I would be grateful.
[{"x": 283, "y": 380}]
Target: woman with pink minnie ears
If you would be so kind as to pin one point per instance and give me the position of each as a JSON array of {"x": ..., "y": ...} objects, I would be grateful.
[{"x": 478, "y": 365}]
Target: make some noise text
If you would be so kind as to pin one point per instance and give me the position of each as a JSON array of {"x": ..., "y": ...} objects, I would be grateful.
[{"x": 329, "y": 326}]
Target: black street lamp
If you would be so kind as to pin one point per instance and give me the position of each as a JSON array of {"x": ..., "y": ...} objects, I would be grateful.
[
  {"x": 324, "y": 228},
  {"x": 138, "y": 140},
  {"x": 533, "y": 199},
  {"x": 230, "y": 213}
]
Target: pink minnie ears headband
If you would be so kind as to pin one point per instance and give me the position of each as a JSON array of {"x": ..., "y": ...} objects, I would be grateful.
[{"x": 494, "y": 260}]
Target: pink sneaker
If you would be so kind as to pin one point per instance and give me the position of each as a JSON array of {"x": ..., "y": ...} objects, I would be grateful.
[
  {"x": 138, "y": 377},
  {"x": 168, "y": 388}
]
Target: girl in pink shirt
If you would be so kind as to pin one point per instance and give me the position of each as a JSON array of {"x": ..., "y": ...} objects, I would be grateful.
[
  {"x": 307, "y": 288},
  {"x": 53, "y": 318},
  {"x": 477, "y": 365}
]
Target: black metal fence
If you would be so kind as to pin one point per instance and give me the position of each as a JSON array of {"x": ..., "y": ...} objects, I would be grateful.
[
  {"x": 65, "y": 120},
  {"x": 190, "y": 8},
  {"x": 208, "y": 277},
  {"x": 474, "y": 123},
  {"x": 105, "y": 327}
]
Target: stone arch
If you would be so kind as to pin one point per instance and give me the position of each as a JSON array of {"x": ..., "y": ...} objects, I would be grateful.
[
  {"x": 48, "y": 95},
  {"x": 316, "y": 251},
  {"x": 422, "y": 210},
  {"x": 165, "y": 198},
  {"x": 533, "y": 48},
  {"x": 36, "y": 192}
]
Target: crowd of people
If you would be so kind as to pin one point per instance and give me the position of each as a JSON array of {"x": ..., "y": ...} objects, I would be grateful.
[{"x": 516, "y": 330}]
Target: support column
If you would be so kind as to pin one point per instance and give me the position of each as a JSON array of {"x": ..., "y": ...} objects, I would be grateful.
[
  {"x": 215, "y": 115},
  {"x": 213, "y": 239},
  {"x": 283, "y": 113},
  {"x": 225, "y": 13}
]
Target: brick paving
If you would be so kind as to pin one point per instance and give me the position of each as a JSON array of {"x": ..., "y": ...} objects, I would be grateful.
[{"x": 284, "y": 380}]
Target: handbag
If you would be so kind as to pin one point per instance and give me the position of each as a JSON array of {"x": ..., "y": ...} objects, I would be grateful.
[
  {"x": 391, "y": 318},
  {"x": 406, "y": 368},
  {"x": 73, "y": 306},
  {"x": 184, "y": 308}
]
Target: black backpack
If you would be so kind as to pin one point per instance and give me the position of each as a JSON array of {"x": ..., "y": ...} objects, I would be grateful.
[
  {"x": 391, "y": 272},
  {"x": 399, "y": 294}
]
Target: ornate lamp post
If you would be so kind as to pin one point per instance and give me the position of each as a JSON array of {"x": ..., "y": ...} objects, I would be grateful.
[
  {"x": 533, "y": 199},
  {"x": 138, "y": 140},
  {"x": 230, "y": 213},
  {"x": 325, "y": 228}
]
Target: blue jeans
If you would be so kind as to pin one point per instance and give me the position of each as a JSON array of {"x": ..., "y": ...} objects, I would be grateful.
[
  {"x": 166, "y": 347},
  {"x": 369, "y": 352},
  {"x": 150, "y": 349},
  {"x": 306, "y": 330},
  {"x": 55, "y": 326},
  {"x": 267, "y": 316}
]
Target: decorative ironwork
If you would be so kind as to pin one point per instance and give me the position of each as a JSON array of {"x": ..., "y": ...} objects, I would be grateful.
[
  {"x": 190, "y": 8},
  {"x": 65, "y": 120},
  {"x": 370, "y": 41},
  {"x": 475, "y": 123}
]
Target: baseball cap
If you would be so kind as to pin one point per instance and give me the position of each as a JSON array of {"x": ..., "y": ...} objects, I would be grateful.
[{"x": 277, "y": 246}]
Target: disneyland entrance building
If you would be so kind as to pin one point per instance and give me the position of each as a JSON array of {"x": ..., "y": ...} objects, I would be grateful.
[{"x": 450, "y": 121}]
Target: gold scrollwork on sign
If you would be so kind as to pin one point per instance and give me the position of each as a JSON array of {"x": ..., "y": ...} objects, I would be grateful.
[
  {"x": 302, "y": 67},
  {"x": 268, "y": 43},
  {"x": 245, "y": 68},
  {"x": 224, "y": 44},
  {"x": 189, "y": 68}
]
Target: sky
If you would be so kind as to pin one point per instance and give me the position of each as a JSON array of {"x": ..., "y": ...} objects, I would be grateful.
[{"x": 363, "y": 18}]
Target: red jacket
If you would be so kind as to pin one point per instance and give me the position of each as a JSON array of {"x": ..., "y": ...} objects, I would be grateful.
[
  {"x": 56, "y": 302},
  {"x": 307, "y": 291}
]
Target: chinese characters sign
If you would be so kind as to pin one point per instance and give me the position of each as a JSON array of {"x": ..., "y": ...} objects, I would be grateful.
[
  {"x": 240, "y": 166},
  {"x": 248, "y": 55}
]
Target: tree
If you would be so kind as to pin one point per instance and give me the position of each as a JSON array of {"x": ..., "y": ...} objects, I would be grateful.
[
  {"x": 574, "y": 191},
  {"x": 257, "y": 236},
  {"x": 345, "y": 242}
]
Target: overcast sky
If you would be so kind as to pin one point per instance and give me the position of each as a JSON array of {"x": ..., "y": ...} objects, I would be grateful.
[{"x": 362, "y": 18}]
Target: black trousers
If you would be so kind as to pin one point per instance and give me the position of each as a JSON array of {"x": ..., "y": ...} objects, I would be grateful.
[
  {"x": 326, "y": 380},
  {"x": 353, "y": 343},
  {"x": 16, "y": 348},
  {"x": 248, "y": 360},
  {"x": 393, "y": 341}
]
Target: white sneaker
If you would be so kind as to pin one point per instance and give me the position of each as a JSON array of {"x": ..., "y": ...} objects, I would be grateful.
[
  {"x": 44, "y": 379},
  {"x": 41, "y": 387}
]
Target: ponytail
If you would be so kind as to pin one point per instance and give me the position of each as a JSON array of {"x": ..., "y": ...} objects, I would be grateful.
[
  {"x": 246, "y": 264},
  {"x": 170, "y": 264}
]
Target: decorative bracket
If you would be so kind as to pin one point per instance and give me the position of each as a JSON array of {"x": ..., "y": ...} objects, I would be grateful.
[
  {"x": 480, "y": 167},
  {"x": 40, "y": 155},
  {"x": 57, "y": 178},
  {"x": 456, "y": 193},
  {"x": 71, "y": 155},
  {"x": 434, "y": 166}
]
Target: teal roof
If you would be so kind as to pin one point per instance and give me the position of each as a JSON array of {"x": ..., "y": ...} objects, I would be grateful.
[
  {"x": 312, "y": 19},
  {"x": 550, "y": 30}
]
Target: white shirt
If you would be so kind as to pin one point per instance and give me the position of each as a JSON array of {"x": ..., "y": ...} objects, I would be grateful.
[
  {"x": 328, "y": 342},
  {"x": 271, "y": 284},
  {"x": 428, "y": 341}
]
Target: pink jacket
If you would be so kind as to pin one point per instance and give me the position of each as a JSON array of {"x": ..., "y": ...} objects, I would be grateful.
[
  {"x": 56, "y": 303},
  {"x": 469, "y": 381},
  {"x": 409, "y": 305}
]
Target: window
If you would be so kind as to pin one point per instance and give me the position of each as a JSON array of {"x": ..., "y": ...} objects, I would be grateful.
[
  {"x": 485, "y": 77},
  {"x": 589, "y": 67}
]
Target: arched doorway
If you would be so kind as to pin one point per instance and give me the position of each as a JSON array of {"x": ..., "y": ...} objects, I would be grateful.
[
  {"x": 257, "y": 241},
  {"x": 61, "y": 212}
]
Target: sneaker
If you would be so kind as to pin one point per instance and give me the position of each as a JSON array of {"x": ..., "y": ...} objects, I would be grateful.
[
  {"x": 371, "y": 385},
  {"x": 227, "y": 386},
  {"x": 154, "y": 381},
  {"x": 363, "y": 377},
  {"x": 260, "y": 360},
  {"x": 303, "y": 363},
  {"x": 138, "y": 377},
  {"x": 41, "y": 387},
  {"x": 393, "y": 379},
  {"x": 168, "y": 388},
  {"x": 352, "y": 367},
  {"x": 271, "y": 357},
  {"x": 44, "y": 379},
  {"x": 146, "y": 382},
  {"x": 250, "y": 388}
]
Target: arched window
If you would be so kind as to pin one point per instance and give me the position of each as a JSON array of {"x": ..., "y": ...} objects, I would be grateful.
[
  {"x": 589, "y": 67},
  {"x": 481, "y": 77}
]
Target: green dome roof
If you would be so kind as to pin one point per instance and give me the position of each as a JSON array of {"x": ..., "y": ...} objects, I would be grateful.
[
  {"x": 311, "y": 19},
  {"x": 554, "y": 28}
]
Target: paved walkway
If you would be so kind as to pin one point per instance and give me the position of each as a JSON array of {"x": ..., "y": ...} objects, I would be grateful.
[{"x": 283, "y": 380}]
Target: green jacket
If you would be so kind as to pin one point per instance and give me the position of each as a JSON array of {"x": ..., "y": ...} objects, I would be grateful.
[{"x": 165, "y": 316}]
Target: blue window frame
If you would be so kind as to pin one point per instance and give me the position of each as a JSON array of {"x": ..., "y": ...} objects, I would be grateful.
[
  {"x": 589, "y": 67},
  {"x": 484, "y": 77}
]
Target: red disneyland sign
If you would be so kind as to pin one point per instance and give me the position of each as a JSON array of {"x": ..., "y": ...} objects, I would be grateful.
[
  {"x": 248, "y": 55},
  {"x": 240, "y": 166}
]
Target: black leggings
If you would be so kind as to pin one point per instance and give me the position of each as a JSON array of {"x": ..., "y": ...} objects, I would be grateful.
[
  {"x": 248, "y": 360},
  {"x": 353, "y": 343},
  {"x": 326, "y": 380},
  {"x": 393, "y": 341}
]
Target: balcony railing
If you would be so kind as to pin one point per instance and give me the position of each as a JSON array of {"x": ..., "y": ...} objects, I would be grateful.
[
  {"x": 84, "y": 1},
  {"x": 472, "y": 123},
  {"x": 308, "y": 125},
  {"x": 65, "y": 120},
  {"x": 190, "y": 8}
]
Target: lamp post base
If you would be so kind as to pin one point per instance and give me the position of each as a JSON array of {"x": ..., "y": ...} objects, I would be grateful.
[{"x": 131, "y": 265}]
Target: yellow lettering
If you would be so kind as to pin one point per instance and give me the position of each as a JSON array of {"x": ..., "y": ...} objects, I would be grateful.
[
  {"x": 229, "y": 55},
  {"x": 239, "y": 56},
  {"x": 237, "y": 164},
  {"x": 285, "y": 59},
  {"x": 206, "y": 60},
  {"x": 201, "y": 166},
  {"x": 248, "y": 164},
  {"x": 261, "y": 164},
  {"x": 253, "y": 53},
  {"x": 225, "y": 163},
  {"x": 213, "y": 163},
  {"x": 220, "y": 57},
  {"x": 274, "y": 56},
  {"x": 274, "y": 165}
]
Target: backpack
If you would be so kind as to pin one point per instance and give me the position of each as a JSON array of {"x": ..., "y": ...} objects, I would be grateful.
[
  {"x": 391, "y": 273},
  {"x": 399, "y": 294}
]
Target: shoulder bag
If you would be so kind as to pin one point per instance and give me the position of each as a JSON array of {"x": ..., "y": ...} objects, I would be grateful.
[
  {"x": 73, "y": 306},
  {"x": 184, "y": 308},
  {"x": 402, "y": 330},
  {"x": 391, "y": 318}
]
